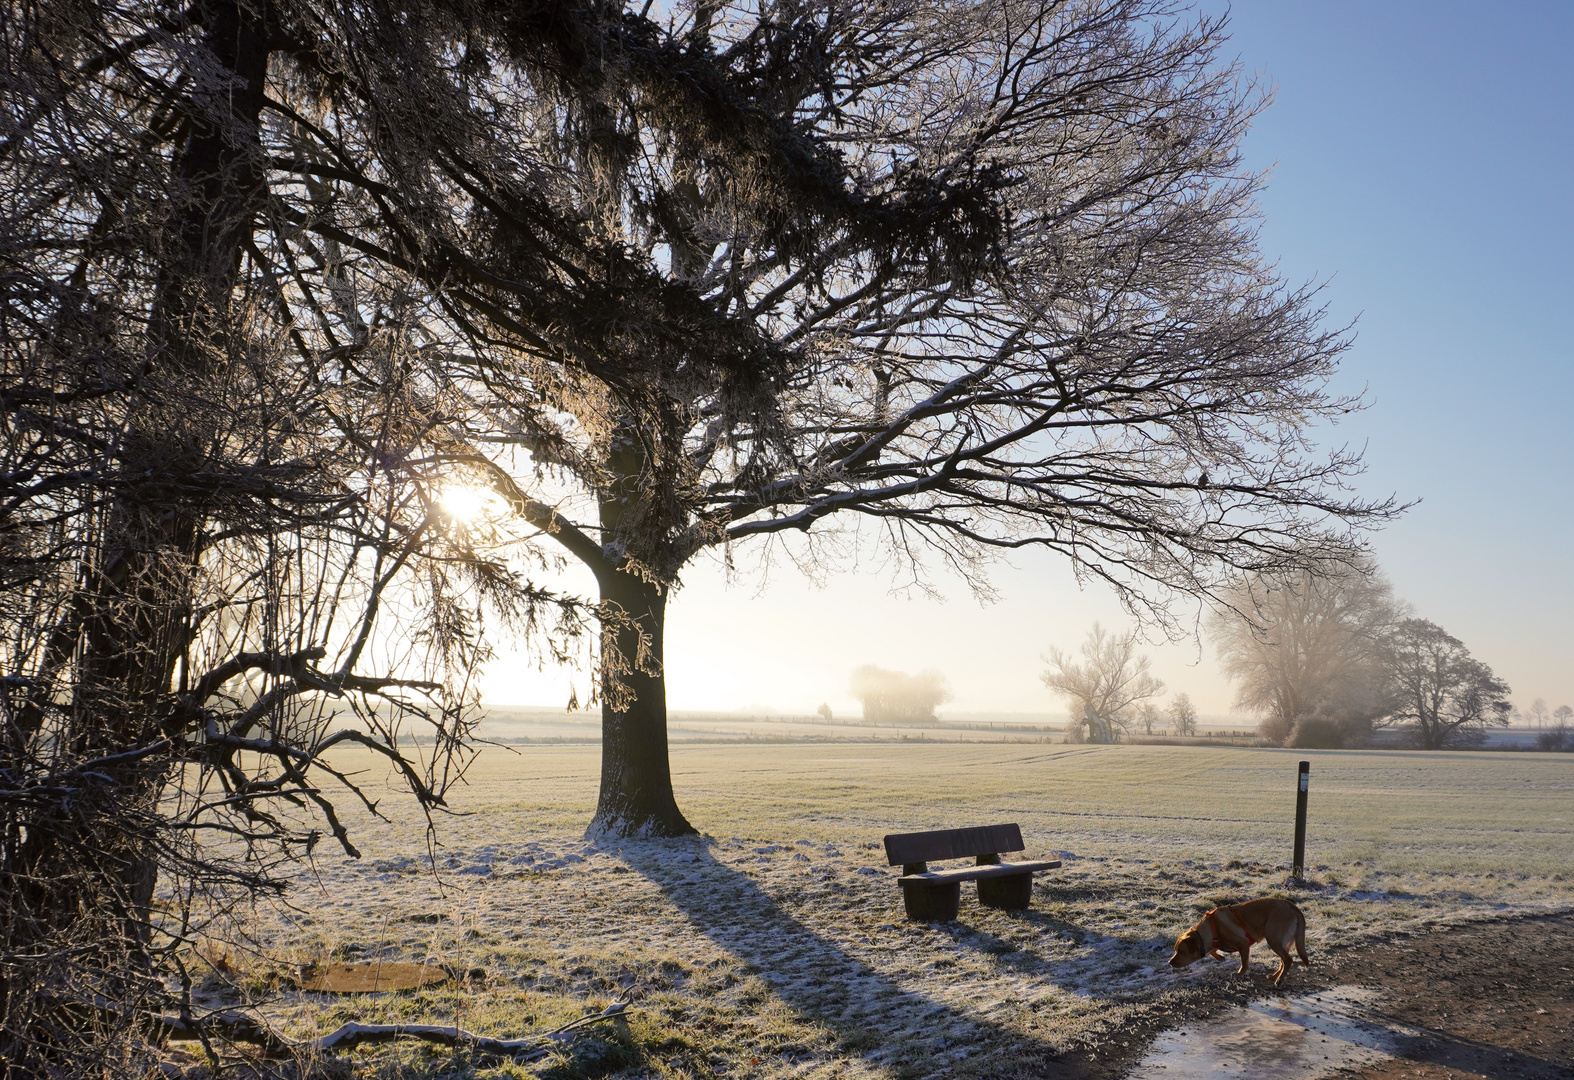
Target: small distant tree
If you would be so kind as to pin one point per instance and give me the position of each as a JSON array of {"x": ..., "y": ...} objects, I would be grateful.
[
  {"x": 1443, "y": 695},
  {"x": 1183, "y": 714},
  {"x": 1149, "y": 716},
  {"x": 824, "y": 712},
  {"x": 1304, "y": 646},
  {"x": 1106, "y": 689},
  {"x": 1538, "y": 712},
  {"x": 896, "y": 697},
  {"x": 1555, "y": 738},
  {"x": 1558, "y": 736}
]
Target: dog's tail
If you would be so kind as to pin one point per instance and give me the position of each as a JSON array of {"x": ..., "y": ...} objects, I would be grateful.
[{"x": 1300, "y": 939}]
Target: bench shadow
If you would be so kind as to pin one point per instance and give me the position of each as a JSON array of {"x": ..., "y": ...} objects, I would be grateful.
[
  {"x": 817, "y": 977},
  {"x": 1154, "y": 950}
]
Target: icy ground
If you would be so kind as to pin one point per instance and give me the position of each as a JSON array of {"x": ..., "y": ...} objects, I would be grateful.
[
  {"x": 793, "y": 947},
  {"x": 1296, "y": 1037},
  {"x": 821, "y": 928}
]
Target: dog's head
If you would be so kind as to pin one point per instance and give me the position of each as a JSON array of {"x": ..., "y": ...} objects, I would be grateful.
[{"x": 1188, "y": 949}]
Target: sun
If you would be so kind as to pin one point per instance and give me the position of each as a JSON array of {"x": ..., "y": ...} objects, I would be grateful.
[{"x": 466, "y": 503}]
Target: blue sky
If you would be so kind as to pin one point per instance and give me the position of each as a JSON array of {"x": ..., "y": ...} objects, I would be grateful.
[{"x": 1422, "y": 158}]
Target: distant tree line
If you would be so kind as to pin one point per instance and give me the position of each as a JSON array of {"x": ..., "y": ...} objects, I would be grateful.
[
  {"x": 1324, "y": 655},
  {"x": 1559, "y": 733}
]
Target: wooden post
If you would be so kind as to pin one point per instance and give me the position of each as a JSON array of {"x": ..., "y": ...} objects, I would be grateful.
[{"x": 1299, "y": 865}]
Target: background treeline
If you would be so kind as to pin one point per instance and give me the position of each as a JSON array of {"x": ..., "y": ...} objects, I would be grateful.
[
  {"x": 1325, "y": 655},
  {"x": 897, "y": 697}
]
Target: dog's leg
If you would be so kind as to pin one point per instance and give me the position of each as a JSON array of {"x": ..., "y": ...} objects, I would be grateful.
[
  {"x": 1284, "y": 963},
  {"x": 1300, "y": 940},
  {"x": 1246, "y": 956}
]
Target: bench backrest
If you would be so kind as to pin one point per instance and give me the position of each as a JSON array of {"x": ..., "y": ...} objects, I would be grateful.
[{"x": 902, "y": 849}]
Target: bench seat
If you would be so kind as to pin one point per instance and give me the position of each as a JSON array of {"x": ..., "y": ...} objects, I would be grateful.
[{"x": 992, "y": 870}]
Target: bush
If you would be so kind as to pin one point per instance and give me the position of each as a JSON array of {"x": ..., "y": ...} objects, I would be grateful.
[
  {"x": 1317, "y": 733},
  {"x": 1275, "y": 730}
]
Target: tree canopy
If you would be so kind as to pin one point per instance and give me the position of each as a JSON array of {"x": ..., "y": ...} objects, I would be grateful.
[
  {"x": 1305, "y": 646},
  {"x": 1443, "y": 695},
  {"x": 982, "y": 277},
  {"x": 277, "y": 274}
]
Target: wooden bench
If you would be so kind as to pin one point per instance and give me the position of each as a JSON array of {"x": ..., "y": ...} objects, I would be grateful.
[{"x": 934, "y": 895}]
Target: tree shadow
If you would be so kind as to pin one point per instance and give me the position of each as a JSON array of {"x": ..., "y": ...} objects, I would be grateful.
[
  {"x": 825, "y": 983},
  {"x": 1433, "y": 1046}
]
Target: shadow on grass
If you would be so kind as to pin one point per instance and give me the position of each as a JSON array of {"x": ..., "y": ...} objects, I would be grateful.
[
  {"x": 821, "y": 981},
  {"x": 1433, "y": 1046}
]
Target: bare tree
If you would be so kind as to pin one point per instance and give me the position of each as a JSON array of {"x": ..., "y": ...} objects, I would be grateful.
[
  {"x": 1445, "y": 697},
  {"x": 1304, "y": 646},
  {"x": 1150, "y": 716},
  {"x": 1538, "y": 712},
  {"x": 981, "y": 276},
  {"x": 1183, "y": 714},
  {"x": 1559, "y": 737},
  {"x": 896, "y": 697},
  {"x": 1106, "y": 690},
  {"x": 223, "y": 550}
]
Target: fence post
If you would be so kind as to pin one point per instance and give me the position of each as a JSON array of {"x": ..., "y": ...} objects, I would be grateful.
[{"x": 1299, "y": 865}]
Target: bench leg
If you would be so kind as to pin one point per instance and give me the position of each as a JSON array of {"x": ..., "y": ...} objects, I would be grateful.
[
  {"x": 1012, "y": 893},
  {"x": 932, "y": 903}
]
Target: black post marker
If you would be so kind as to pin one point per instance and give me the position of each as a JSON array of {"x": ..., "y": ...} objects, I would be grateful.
[{"x": 1300, "y": 820}]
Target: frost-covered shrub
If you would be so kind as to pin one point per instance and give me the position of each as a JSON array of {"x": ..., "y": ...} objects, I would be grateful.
[{"x": 1317, "y": 733}]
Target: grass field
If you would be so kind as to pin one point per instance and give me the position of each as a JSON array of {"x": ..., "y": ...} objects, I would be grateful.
[{"x": 775, "y": 945}]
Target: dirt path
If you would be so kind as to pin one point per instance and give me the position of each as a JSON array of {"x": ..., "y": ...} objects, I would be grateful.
[{"x": 1490, "y": 1001}]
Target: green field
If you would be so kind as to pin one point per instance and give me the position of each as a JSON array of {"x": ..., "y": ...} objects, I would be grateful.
[{"x": 776, "y": 947}]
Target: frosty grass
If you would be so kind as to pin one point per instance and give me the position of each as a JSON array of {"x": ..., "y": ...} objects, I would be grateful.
[{"x": 775, "y": 945}]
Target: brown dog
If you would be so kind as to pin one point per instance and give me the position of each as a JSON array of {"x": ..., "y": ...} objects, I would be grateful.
[{"x": 1238, "y": 927}]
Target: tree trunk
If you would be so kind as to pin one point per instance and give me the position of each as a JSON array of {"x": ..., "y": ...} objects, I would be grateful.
[
  {"x": 80, "y": 877},
  {"x": 1099, "y": 730},
  {"x": 135, "y": 633},
  {"x": 636, "y": 781}
]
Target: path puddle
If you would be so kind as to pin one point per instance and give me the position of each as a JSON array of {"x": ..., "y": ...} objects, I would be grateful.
[{"x": 1288, "y": 1038}]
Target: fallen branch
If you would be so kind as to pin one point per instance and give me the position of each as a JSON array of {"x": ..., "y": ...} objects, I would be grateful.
[
  {"x": 529, "y": 1048},
  {"x": 238, "y": 1027},
  {"x": 233, "y": 1026}
]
